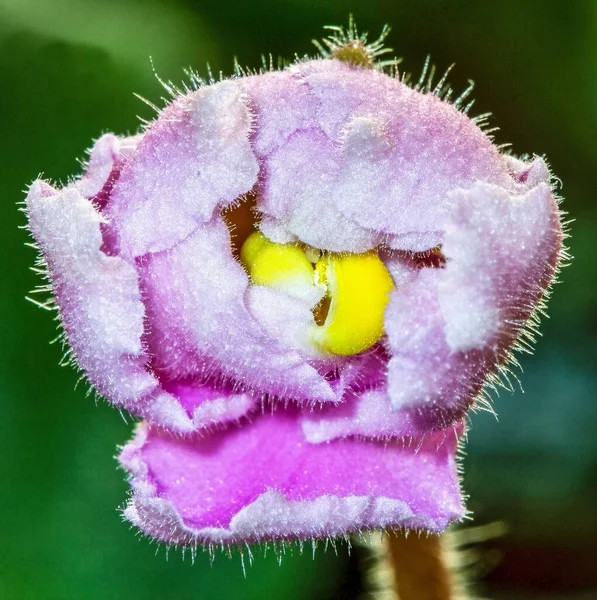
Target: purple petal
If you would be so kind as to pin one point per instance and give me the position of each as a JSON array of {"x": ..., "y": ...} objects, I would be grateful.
[
  {"x": 98, "y": 295},
  {"x": 340, "y": 90},
  {"x": 451, "y": 328},
  {"x": 371, "y": 162},
  {"x": 194, "y": 158},
  {"x": 365, "y": 410},
  {"x": 200, "y": 324},
  {"x": 263, "y": 480},
  {"x": 210, "y": 406},
  {"x": 401, "y": 157},
  {"x": 302, "y": 202},
  {"x": 282, "y": 104},
  {"x": 101, "y": 310},
  {"x": 106, "y": 158}
]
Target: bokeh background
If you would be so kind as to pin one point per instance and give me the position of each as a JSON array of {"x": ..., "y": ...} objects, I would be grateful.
[{"x": 68, "y": 71}]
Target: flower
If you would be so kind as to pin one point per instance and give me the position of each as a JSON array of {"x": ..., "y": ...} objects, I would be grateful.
[{"x": 301, "y": 280}]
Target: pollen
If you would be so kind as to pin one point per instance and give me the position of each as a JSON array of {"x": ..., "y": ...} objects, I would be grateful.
[{"x": 348, "y": 293}]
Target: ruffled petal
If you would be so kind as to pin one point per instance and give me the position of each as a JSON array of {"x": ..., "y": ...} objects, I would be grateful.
[
  {"x": 501, "y": 259},
  {"x": 200, "y": 325},
  {"x": 340, "y": 90},
  {"x": 103, "y": 316},
  {"x": 401, "y": 157},
  {"x": 369, "y": 415},
  {"x": 451, "y": 328},
  {"x": 366, "y": 409},
  {"x": 194, "y": 158},
  {"x": 208, "y": 404},
  {"x": 372, "y": 161},
  {"x": 97, "y": 295},
  {"x": 302, "y": 203},
  {"x": 106, "y": 159},
  {"x": 282, "y": 104},
  {"x": 263, "y": 480}
]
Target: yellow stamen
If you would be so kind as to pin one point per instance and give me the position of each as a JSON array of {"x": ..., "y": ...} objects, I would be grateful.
[
  {"x": 358, "y": 286},
  {"x": 348, "y": 292},
  {"x": 283, "y": 267}
]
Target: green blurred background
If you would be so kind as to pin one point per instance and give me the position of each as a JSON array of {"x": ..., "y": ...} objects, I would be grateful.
[{"x": 68, "y": 70}]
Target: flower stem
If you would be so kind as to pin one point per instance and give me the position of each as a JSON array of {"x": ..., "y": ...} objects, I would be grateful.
[
  {"x": 420, "y": 567},
  {"x": 401, "y": 566}
]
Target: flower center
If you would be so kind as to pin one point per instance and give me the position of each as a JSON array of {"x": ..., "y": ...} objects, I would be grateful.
[{"x": 348, "y": 293}]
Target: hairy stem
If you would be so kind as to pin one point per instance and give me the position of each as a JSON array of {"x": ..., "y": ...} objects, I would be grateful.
[
  {"x": 399, "y": 566},
  {"x": 420, "y": 567}
]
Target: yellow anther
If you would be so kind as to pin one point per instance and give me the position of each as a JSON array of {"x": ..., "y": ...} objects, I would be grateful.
[
  {"x": 280, "y": 266},
  {"x": 358, "y": 286},
  {"x": 350, "y": 317}
]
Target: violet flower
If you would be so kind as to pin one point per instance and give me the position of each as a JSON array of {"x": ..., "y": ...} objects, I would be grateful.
[{"x": 301, "y": 280}]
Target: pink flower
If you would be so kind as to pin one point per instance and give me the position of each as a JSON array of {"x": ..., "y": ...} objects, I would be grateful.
[{"x": 301, "y": 280}]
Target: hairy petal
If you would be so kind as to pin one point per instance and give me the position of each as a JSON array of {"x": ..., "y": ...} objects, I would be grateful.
[
  {"x": 302, "y": 202},
  {"x": 194, "y": 158},
  {"x": 422, "y": 370},
  {"x": 103, "y": 316},
  {"x": 368, "y": 415},
  {"x": 372, "y": 160},
  {"x": 106, "y": 159},
  {"x": 401, "y": 160},
  {"x": 263, "y": 480},
  {"x": 500, "y": 261},
  {"x": 209, "y": 405},
  {"x": 340, "y": 90},
  {"x": 282, "y": 104},
  {"x": 452, "y": 327},
  {"x": 366, "y": 410},
  {"x": 97, "y": 295},
  {"x": 200, "y": 324}
]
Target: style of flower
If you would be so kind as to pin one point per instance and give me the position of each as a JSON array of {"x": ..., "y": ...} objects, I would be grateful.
[{"x": 301, "y": 280}]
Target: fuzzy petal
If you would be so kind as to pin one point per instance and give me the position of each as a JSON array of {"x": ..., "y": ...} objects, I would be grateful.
[
  {"x": 210, "y": 405},
  {"x": 283, "y": 104},
  {"x": 303, "y": 202},
  {"x": 194, "y": 158},
  {"x": 500, "y": 261},
  {"x": 201, "y": 326},
  {"x": 339, "y": 90},
  {"x": 372, "y": 161},
  {"x": 401, "y": 160},
  {"x": 451, "y": 328},
  {"x": 101, "y": 310},
  {"x": 368, "y": 415},
  {"x": 97, "y": 295},
  {"x": 106, "y": 158},
  {"x": 263, "y": 480},
  {"x": 366, "y": 410}
]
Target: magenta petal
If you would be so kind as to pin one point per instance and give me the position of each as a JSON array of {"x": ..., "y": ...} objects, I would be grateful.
[
  {"x": 340, "y": 90},
  {"x": 283, "y": 104},
  {"x": 101, "y": 310},
  {"x": 367, "y": 415},
  {"x": 501, "y": 259},
  {"x": 422, "y": 370},
  {"x": 210, "y": 405},
  {"x": 263, "y": 480},
  {"x": 400, "y": 160}
]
